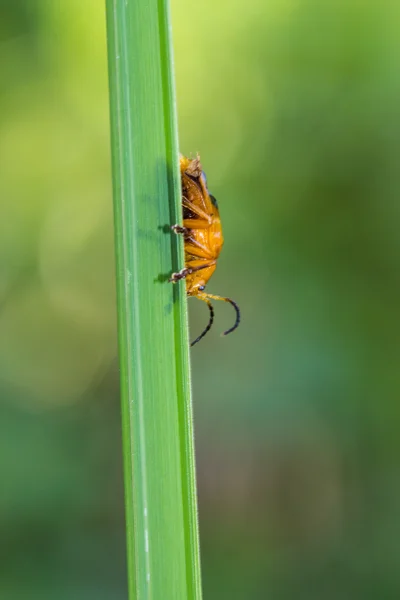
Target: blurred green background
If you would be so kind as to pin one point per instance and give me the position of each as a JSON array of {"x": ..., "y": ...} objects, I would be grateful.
[{"x": 294, "y": 106}]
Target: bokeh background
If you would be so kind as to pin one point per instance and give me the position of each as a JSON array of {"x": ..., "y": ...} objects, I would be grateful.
[{"x": 294, "y": 106}]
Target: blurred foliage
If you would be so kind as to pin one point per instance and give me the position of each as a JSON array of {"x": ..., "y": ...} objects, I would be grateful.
[{"x": 294, "y": 107}]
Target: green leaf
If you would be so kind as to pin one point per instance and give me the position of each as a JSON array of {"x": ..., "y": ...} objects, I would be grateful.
[{"x": 161, "y": 504}]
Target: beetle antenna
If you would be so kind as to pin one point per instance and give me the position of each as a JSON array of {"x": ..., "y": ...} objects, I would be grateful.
[
  {"x": 235, "y": 306},
  {"x": 210, "y": 322}
]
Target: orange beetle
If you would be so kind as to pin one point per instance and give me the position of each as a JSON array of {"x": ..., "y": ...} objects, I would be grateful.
[{"x": 203, "y": 238}]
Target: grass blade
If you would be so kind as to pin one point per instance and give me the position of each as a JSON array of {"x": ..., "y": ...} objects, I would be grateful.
[{"x": 161, "y": 506}]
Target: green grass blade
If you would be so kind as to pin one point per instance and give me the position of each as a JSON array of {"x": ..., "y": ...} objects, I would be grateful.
[{"x": 161, "y": 506}]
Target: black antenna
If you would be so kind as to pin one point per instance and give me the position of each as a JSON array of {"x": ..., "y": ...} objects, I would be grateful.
[
  {"x": 237, "y": 309},
  {"x": 211, "y": 321}
]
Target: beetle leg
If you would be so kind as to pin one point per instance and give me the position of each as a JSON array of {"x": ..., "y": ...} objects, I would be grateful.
[
  {"x": 180, "y": 275},
  {"x": 180, "y": 229},
  {"x": 184, "y": 273},
  {"x": 195, "y": 248},
  {"x": 196, "y": 210},
  {"x": 196, "y": 223},
  {"x": 196, "y": 265},
  {"x": 190, "y": 224},
  {"x": 192, "y": 246}
]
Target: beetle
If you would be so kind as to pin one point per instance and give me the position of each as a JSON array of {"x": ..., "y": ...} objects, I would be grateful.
[{"x": 203, "y": 239}]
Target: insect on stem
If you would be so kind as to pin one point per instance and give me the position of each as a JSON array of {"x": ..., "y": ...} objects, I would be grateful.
[{"x": 203, "y": 239}]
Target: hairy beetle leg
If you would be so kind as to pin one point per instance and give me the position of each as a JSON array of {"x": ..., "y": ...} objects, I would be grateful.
[
  {"x": 189, "y": 270},
  {"x": 179, "y": 229},
  {"x": 180, "y": 275}
]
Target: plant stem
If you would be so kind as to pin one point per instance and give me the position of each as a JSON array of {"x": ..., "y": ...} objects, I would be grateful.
[{"x": 159, "y": 468}]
